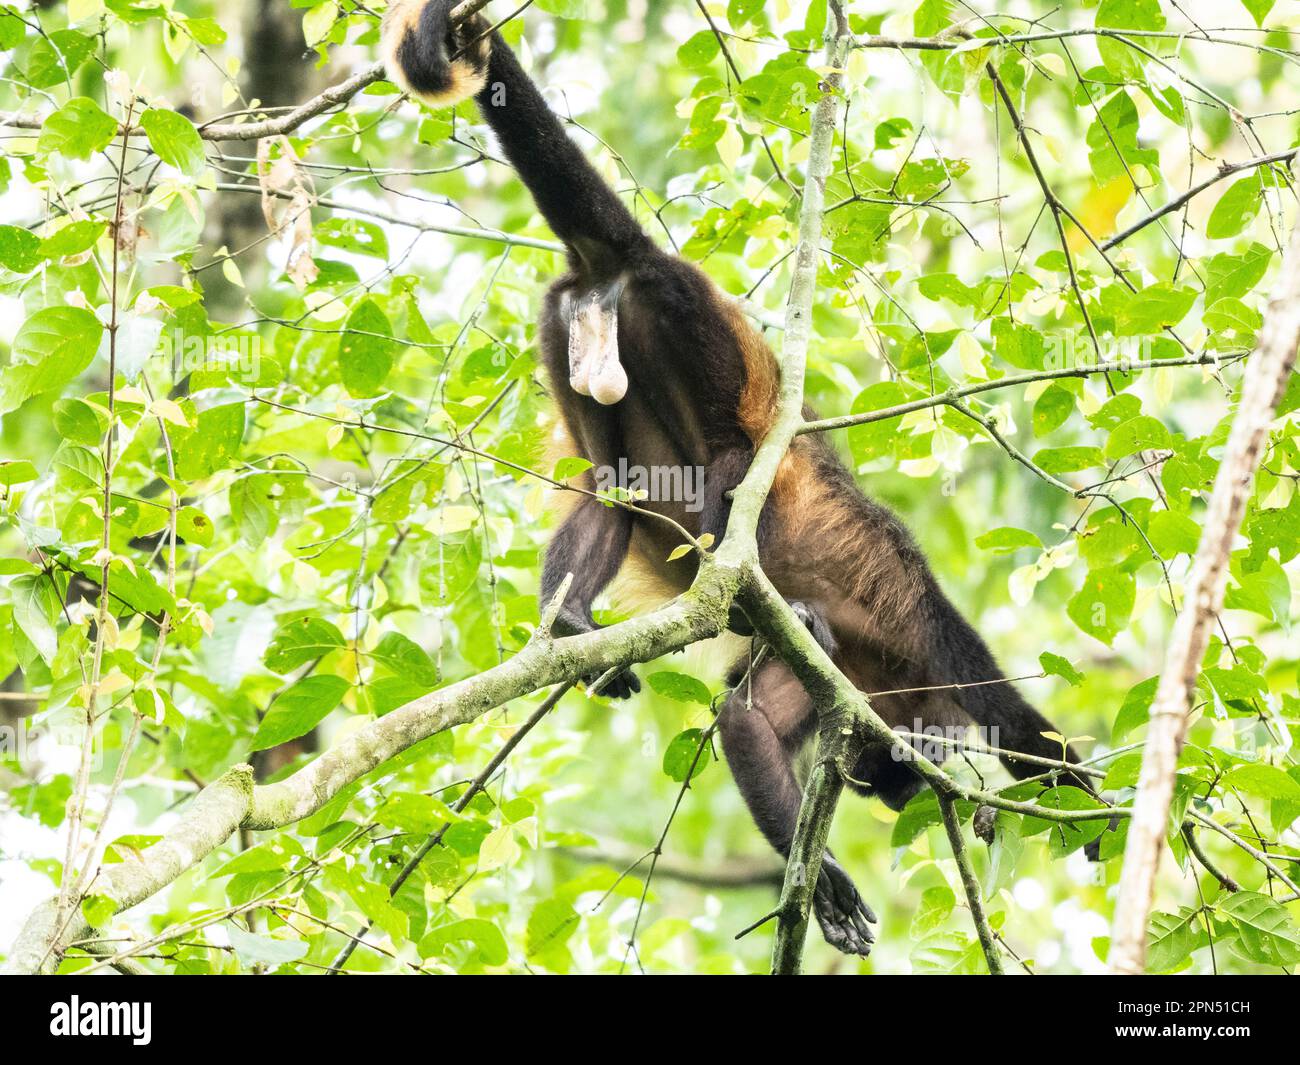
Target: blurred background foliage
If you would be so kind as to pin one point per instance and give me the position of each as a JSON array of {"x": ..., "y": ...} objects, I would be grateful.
[{"x": 265, "y": 300}]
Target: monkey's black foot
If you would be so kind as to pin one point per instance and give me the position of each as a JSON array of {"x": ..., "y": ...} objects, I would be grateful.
[
  {"x": 844, "y": 917},
  {"x": 622, "y": 685}
]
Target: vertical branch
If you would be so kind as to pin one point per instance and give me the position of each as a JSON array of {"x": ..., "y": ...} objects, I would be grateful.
[
  {"x": 820, "y": 796},
  {"x": 1266, "y": 377},
  {"x": 752, "y": 493},
  {"x": 77, "y": 808},
  {"x": 948, "y": 807},
  {"x": 822, "y": 791}
]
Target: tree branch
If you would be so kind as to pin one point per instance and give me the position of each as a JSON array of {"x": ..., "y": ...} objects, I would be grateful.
[
  {"x": 947, "y": 398},
  {"x": 1265, "y": 381},
  {"x": 332, "y": 97},
  {"x": 232, "y": 802},
  {"x": 824, "y": 783},
  {"x": 951, "y": 824},
  {"x": 1224, "y": 171}
]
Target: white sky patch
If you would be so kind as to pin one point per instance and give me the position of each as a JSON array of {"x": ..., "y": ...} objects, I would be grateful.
[{"x": 1029, "y": 894}]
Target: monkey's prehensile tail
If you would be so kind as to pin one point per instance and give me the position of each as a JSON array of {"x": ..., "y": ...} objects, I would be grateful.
[
  {"x": 962, "y": 657},
  {"x": 584, "y": 212},
  {"x": 417, "y": 42}
]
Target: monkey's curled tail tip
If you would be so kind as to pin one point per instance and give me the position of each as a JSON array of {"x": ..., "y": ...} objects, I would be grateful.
[{"x": 417, "y": 42}]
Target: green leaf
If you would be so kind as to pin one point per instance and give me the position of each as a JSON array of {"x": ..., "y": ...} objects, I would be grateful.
[
  {"x": 1170, "y": 941},
  {"x": 1172, "y": 533},
  {"x": 37, "y": 604},
  {"x": 1267, "y": 933},
  {"x": 1065, "y": 836},
  {"x": 698, "y": 51},
  {"x": 571, "y": 9},
  {"x": 12, "y": 30},
  {"x": 1229, "y": 314},
  {"x": 1266, "y": 781},
  {"x": 1019, "y": 345},
  {"x": 1119, "y": 57},
  {"x": 1051, "y": 409},
  {"x": 406, "y": 658},
  {"x": 947, "y": 954},
  {"x": 568, "y": 467},
  {"x": 98, "y": 909},
  {"x": 14, "y": 472},
  {"x": 550, "y": 925},
  {"x": 263, "y": 858},
  {"x": 366, "y": 349},
  {"x": 1258, "y": 9},
  {"x": 680, "y": 687},
  {"x": 1154, "y": 308},
  {"x": 937, "y": 904},
  {"x": 299, "y": 710},
  {"x": 1006, "y": 539},
  {"x": 264, "y": 950},
  {"x": 300, "y": 641},
  {"x": 1136, "y": 434},
  {"x": 1112, "y": 138},
  {"x": 918, "y": 815},
  {"x": 482, "y": 935},
  {"x": 1235, "y": 684},
  {"x": 20, "y": 249},
  {"x": 175, "y": 140},
  {"x": 53, "y": 346},
  {"x": 77, "y": 130},
  {"x": 740, "y": 12},
  {"x": 56, "y": 57},
  {"x": 212, "y": 445},
  {"x": 1058, "y": 460},
  {"x": 1235, "y": 275},
  {"x": 874, "y": 439},
  {"x": 1055, "y": 665},
  {"x": 353, "y": 234},
  {"x": 1236, "y": 208},
  {"x": 680, "y": 756},
  {"x": 194, "y": 527},
  {"x": 1267, "y": 592},
  {"x": 931, "y": 16},
  {"x": 72, "y": 239},
  {"x": 1103, "y": 605}
]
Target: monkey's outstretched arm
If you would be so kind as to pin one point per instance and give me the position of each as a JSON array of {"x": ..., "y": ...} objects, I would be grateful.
[{"x": 574, "y": 199}]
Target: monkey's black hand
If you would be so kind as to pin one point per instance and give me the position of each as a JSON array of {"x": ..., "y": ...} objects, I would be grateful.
[
  {"x": 815, "y": 623},
  {"x": 843, "y": 915},
  {"x": 739, "y": 623},
  {"x": 622, "y": 685}
]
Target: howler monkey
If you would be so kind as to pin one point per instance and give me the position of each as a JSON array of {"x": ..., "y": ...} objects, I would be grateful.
[{"x": 652, "y": 365}]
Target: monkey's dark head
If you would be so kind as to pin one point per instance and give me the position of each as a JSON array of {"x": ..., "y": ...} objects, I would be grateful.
[{"x": 437, "y": 63}]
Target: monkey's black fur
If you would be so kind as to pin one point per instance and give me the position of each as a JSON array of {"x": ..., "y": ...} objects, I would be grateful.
[{"x": 701, "y": 392}]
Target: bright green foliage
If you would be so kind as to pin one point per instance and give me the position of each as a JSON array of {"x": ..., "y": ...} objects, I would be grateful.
[{"x": 322, "y": 443}]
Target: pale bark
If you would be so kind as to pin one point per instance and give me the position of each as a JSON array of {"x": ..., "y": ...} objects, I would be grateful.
[{"x": 1267, "y": 374}]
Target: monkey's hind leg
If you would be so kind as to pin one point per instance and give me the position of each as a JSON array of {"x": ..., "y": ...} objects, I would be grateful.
[{"x": 763, "y": 723}]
